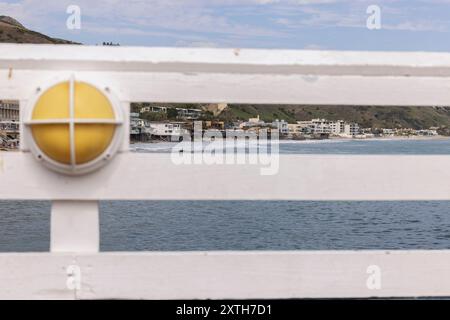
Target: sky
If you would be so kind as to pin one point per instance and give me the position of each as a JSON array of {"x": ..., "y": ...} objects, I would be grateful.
[{"x": 404, "y": 25}]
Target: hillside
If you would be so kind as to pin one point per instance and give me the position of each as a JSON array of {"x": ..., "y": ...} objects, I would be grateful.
[
  {"x": 376, "y": 117},
  {"x": 13, "y": 31},
  {"x": 366, "y": 116}
]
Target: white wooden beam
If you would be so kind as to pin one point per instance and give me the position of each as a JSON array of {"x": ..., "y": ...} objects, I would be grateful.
[
  {"x": 41, "y": 57},
  {"x": 140, "y": 176},
  {"x": 75, "y": 226},
  {"x": 225, "y": 275},
  {"x": 235, "y": 76},
  {"x": 248, "y": 88}
]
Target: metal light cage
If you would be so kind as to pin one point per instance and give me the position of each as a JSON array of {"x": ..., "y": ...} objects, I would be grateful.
[{"x": 74, "y": 168}]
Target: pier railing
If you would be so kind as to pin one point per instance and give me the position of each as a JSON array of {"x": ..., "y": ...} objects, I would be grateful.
[{"x": 74, "y": 267}]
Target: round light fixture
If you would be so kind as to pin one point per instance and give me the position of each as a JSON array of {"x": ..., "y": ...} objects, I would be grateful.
[{"x": 74, "y": 127}]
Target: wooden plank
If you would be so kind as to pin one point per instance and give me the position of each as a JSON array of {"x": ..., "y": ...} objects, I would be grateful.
[
  {"x": 75, "y": 226},
  {"x": 140, "y": 176},
  {"x": 247, "y": 88},
  {"x": 222, "y": 275},
  {"x": 31, "y": 56},
  {"x": 234, "y": 76},
  {"x": 35, "y": 276}
]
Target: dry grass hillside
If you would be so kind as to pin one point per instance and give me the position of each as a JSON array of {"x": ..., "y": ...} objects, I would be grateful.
[{"x": 14, "y": 32}]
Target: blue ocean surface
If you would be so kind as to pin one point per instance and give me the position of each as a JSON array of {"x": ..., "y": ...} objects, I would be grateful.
[
  {"x": 254, "y": 225},
  {"x": 407, "y": 146}
]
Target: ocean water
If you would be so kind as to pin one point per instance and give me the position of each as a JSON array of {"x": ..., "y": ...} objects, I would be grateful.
[
  {"x": 254, "y": 225},
  {"x": 423, "y": 146}
]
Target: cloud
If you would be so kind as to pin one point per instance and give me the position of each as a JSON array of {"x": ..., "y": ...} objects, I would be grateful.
[
  {"x": 416, "y": 26},
  {"x": 325, "y": 17},
  {"x": 15, "y": 10},
  {"x": 185, "y": 16},
  {"x": 220, "y": 22},
  {"x": 399, "y": 18},
  {"x": 198, "y": 44},
  {"x": 313, "y": 46}
]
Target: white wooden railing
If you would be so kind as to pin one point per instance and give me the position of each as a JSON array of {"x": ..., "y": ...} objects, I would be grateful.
[{"x": 75, "y": 269}]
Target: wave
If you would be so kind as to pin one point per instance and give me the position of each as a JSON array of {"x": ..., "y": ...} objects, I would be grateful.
[{"x": 315, "y": 141}]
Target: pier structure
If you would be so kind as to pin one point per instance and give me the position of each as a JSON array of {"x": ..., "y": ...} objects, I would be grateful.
[{"x": 75, "y": 267}]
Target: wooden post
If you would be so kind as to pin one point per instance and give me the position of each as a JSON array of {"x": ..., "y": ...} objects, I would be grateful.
[{"x": 75, "y": 226}]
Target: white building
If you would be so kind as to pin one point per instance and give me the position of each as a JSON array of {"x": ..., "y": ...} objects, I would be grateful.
[
  {"x": 301, "y": 127},
  {"x": 294, "y": 128},
  {"x": 282, "y": 126},
  {"x": 388, "y": 132},
  {"x": 9, "y": 123},
  {"x": 337, "y": 127},
  {"x": 153, "y": 109},
  {"x": 9, "y": 110},
  {"x": 351, "y": 129},
  {"x": 427, "y": 132},
  {"x": 253, "y": 122},
  {"x": 189, "y": 114},
  {"x": 324, "y": 126},
  {"x": 138, "y": 126},
  {"x": 321, "y": 126},
  {"x": 165, "y": 129}
]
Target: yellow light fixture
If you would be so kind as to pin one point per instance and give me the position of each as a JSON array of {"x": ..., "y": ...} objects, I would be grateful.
[{"x": 74, "y": 127}]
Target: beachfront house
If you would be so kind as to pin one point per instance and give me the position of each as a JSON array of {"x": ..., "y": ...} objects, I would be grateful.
[
  {"x": 173, "y": 131},
  {"x": 153, "y": 109},
  {"x": 189, "y": 114},
  {"x": 324, "y": 126},
  {"x": 282, "y": 126},
  {"x": 9, "y": 123}
]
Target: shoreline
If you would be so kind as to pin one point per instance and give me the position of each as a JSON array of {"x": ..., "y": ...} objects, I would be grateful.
[{"x": 392, "y": 138}]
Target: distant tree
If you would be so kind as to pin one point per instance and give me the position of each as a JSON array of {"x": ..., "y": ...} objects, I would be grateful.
[
  {"x": 136, "y": 107},
  {"x": 172, "y": 113},
  {"x": 207, "y": 116},
  {"x": 154, "y": 116},
  {"x": 444, "y": 131}
]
